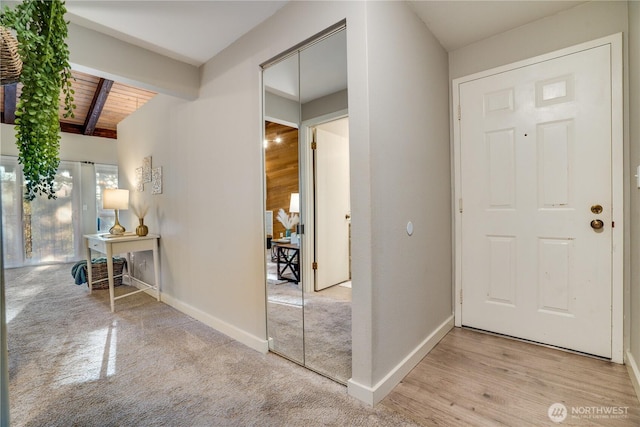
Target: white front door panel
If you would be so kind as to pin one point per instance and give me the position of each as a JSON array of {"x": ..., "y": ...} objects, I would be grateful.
[{"x": 535, "y": 157}]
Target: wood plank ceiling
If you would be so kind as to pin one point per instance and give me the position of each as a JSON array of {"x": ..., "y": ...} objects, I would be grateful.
[{"x": 100, "y": 105}]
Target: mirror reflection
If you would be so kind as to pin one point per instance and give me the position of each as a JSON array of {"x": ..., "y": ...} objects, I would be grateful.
[
  {"x": 284, "y": 291},
  {"x": 307, "y": 180}
]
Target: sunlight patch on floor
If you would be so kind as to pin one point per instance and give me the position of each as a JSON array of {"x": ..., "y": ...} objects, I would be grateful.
[
  {"x": 25, "y": 296},
  {"x": 12, "y": 312},
  {"x": 96, "y": 360}
]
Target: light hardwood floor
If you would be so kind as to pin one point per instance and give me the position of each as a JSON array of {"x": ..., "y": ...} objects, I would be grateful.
[{"x": 476, "y": 379}]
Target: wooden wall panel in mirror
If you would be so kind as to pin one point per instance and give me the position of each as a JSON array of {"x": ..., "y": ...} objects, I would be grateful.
[{"x": 281, "y": 169}]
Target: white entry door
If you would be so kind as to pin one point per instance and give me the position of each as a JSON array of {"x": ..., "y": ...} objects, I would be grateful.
[
  {"x": 332, "y": 204},
  {"x": 536, "y": 186}
]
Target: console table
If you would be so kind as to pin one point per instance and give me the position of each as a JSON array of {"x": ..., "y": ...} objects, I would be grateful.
[{"x": 114, "y": 245}]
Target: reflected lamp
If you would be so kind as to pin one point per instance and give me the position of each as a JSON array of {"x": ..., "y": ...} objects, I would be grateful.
[
  {"x": 294, "y": 203},
  {"x": 116, "y": 199}
]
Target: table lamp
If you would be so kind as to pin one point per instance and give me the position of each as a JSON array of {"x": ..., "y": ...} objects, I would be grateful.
[{"x": 115, "y": 199}]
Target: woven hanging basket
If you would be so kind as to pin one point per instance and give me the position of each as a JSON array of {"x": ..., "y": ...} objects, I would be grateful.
[{"x": 10, "y": 62}]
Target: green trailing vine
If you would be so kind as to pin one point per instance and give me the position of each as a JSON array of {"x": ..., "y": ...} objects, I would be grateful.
[{"x": 41, "y": 32}]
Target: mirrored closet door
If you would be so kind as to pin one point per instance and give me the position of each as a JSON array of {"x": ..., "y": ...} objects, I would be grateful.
[{"x": 307, "y": 211}]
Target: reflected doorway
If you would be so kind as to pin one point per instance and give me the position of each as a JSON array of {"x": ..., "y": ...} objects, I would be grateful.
[{"x": 328, "y": 298}]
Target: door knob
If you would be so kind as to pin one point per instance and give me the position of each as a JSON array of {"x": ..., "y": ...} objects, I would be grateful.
[
  {"x": 347, "y": 216},
  {"x": 597, "y": 224}
]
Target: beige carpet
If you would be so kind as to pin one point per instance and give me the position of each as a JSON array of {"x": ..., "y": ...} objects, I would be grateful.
[{"x": 74, "y": 363}]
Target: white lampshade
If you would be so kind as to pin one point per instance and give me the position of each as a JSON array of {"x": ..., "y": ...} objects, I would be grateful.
[
  {"x": 115, "y": 199},
  {"x": 294, "y": 204}
]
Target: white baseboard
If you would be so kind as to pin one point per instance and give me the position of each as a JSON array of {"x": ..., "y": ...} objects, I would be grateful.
[
  {"x": 237, "y": 334},
  {"x": 373, "y": 395},
  {"x": 134, "y": 282},
  {"x": 634, "y": 373}
]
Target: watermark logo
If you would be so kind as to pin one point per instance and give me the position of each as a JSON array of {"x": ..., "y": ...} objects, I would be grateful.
[{"x": 557, "y": 412}]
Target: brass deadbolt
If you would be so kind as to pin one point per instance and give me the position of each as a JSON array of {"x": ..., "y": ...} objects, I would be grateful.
[{"x": 596, "y": 209}]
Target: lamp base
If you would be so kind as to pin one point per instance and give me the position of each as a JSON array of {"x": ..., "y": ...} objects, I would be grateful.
[{"x": 117, "y": 228}]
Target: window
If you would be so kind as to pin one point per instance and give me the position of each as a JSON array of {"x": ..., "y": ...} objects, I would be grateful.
[
  {"x": 52, "y": 227},
  {"x": 106, "y": 177},
  {"x": 49, "y": 230},
  {"x": 11, "y": 187}
]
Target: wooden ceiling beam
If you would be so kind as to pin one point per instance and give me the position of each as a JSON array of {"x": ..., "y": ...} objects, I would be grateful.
[
  {"x": 10, "y": 103},
  {"x": 99, "y": 98},
  {"x": 79, "y": 129}
]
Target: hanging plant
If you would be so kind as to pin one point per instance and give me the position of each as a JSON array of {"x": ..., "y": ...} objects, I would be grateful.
[{"x": 41, "y": 32}]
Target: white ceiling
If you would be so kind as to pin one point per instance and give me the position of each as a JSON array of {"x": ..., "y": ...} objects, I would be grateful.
[
  {"x": 186, "y": 30},
  {"x": 325, "y": 62},
  {"x": 459, "y": 23},
  {"x": 195, "y": 31}
]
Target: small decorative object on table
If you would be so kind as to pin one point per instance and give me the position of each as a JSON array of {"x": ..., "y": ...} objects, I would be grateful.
[
  {"x": 288, "y": 222},
  {"x": 141, "y": 229}
]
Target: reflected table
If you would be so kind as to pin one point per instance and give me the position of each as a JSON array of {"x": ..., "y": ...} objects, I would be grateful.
[
  {"x": 274, "y": 243},
  {"x": 288, "y": 258}
]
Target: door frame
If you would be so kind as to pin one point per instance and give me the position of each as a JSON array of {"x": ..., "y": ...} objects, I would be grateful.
[
  {"x": 307, "y": 194},
  {"x": 617, "y": 179}
]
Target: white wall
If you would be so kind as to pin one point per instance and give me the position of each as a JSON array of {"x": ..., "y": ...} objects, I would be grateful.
[
  {"x": 210, "y": 215},
  {"x": 633, "y": 357},
  {"x": 75, "y": 148},
  {"x": 282, "y": 110},
  {"x": 108, "y": 57},
  {"x": 585, "y": 22},
  {"x": 410, "y": 181},
  {"x": 156, "y": 130},
  {"x": 328, "y": 104}
]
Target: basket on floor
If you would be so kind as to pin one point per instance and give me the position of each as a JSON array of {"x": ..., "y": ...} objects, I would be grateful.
[
  {"x": 10, "y": 62},
  {"x": 100, "y": 277}
]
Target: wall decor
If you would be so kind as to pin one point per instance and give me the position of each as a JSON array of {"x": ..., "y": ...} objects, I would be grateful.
[
  {"x": 139, "y": 181},
  {"x": 156, "y": 180},
  {"x": 146, "y": 169}
]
